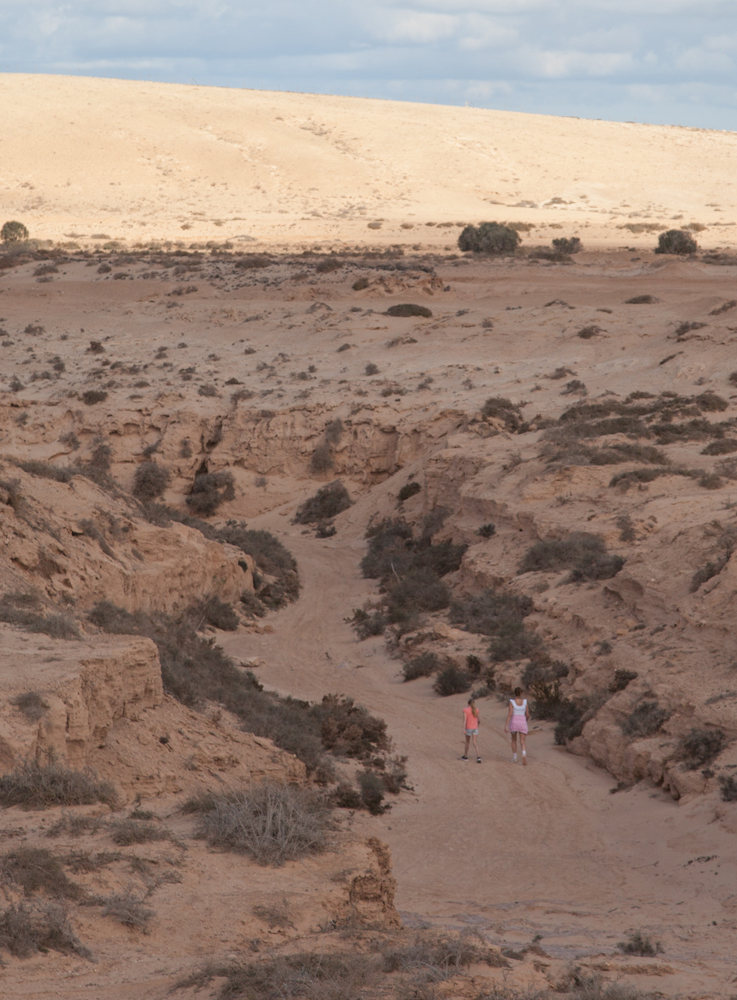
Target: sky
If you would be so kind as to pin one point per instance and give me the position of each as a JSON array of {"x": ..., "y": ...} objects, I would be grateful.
[{"x": 660, "y": 61}]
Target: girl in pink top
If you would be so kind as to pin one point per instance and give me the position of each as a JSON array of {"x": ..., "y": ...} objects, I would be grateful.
[
  {"x": 517, "y": 718},
  {"x": 471, "y": 721}
]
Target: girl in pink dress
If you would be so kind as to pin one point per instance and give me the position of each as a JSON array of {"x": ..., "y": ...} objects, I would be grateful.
[
  {"x": 471, "y": 721},
  {"x": 517, "y": 719}
]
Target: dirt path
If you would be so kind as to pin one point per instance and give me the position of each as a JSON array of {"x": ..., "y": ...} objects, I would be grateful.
[{"x": 546, "y": 849}]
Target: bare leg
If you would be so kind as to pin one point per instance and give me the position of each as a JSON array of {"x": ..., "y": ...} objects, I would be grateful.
[
  {"x": 475, "y": 746},
  {"x": 514, "y": 746},
  {"x": 522, "y": 739},
  {"x": 465, "y": 751}
]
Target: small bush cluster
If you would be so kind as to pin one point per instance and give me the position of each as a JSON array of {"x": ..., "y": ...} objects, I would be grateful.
[
  {"x": 584, "y": 554},
  {"x": 329, "y": 501},
  {"x": 92, "y": 396},
  {"x": 209, "y": 490},
  {"x": 728, "y": 786},
  {"x": 272, "y": 823},
  {"x": 621, "y": 679},
  {"x": 407, "y": 491},
  {"x": 128, "y": 909},
  {"x": 640, "y": 943},
  {"x": 489, "y": 238},
  {"x": 500, "y": 408},
  {"x": 451, "y": 680},
  {"x": 424, "y": 665},
  {"x": 137, "y": 829},
  {"x": 194, "y": 670},
  {"x": 568, "y": 245},
  {"x": 31, "y": 704}
]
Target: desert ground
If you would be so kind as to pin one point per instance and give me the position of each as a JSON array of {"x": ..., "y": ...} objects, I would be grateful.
[{"x": 203, "y": 315}]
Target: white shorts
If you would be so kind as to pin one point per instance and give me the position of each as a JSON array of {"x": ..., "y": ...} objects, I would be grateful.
[{"x": 471, "y": 732}]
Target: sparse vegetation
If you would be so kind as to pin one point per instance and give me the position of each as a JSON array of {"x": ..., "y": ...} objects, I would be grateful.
[
  {"x": 587, "y": 332},
  {"x": 322, "y": 458},
  {"x": 584, "y": 554},
  {"x": 489, "y": 238},
  {"x": 34, "y": 870},
  {"x": 728, "y": 787},
  {"x": 134, "y": 829},
  {"x": 371, "y": 369},
  {"x": 645, "y": 720},
  {"x": 329, "y": 501},
  {"x": 272, "y": 823},
  {"x": 500, "y": 408},
  {"x": 92, "y": 396},
  {"x": 676, "y": 241},
  {"x": 38, "y": 786},
  {"x": 486, "y": 530},
  {"x": 701, "y": 746}
]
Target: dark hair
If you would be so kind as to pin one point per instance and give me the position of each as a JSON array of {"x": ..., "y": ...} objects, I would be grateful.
[{"x": 517, "y": 692}]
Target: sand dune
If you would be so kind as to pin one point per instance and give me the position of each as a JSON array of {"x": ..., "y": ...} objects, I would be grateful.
[{"x": 84, "y": 158}]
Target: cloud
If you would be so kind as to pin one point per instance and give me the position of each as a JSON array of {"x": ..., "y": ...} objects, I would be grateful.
[{"x": 596, "y": 58}]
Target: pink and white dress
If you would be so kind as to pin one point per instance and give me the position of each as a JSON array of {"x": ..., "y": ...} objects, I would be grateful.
[{"x": 518, "y": 722}]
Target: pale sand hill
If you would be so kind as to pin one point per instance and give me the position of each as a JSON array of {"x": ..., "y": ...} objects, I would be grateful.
[{"x": 87, "y": 158}]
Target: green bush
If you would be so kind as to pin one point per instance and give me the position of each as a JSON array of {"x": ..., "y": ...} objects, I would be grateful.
[
  {"x": 489, "y": 238},
  {"x": 329, "y": 501},
  {"x": 13, "y": 232},
  {"x": 676, "y": 241}
]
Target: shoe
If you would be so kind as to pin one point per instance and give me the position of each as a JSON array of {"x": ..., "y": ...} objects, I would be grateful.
[
  {"x": 478, "y": 760},
  {"x": 514, "y": 759},
  {"x": 464, "y": 758}
]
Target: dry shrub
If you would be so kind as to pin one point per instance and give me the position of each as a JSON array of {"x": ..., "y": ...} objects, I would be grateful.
[
  {"x": 676, "y": 241},
  {"x": 701, "y": 746},
  {"x": 641, "y": 300},
  {"x": 274, "y": 915},
  {"x": 322, "y": 458},
  {"x": 328, "y": 265},
  {"x": 577, "y": 453},
  {"x": 209, "y": 490},
  {"x": 27, "y": 928},
  {"x": 645, "y": 720},
  {"x": 31, "y": 704},
  {"x": 329, "y": 501},
  {"x": 129, "y": 909},
  {"x": 621, "y": 679},
  {"x": 34, "y": 870},
  {"x": 587, "y": 332},
  {"x": 309, "y": 976},
  {"x": 584, "y": 554},
  {"x": 150, "y": 481},
  {"x": 407, "y": 491},
  {"x": 728, "y": 787},
  {"x": 35, "y": 786},
  {"x": 219, "y": 614},
  {"x": 409, "y": 309},
  {"x": 348, "y": 729},
  {"x": 253, "y": 262},
  {"x": 451, "y": 680},
  {"x": 372, "y": 793},
  {"x": 722, "y": 446},
  {"x": 424, "y": 665},
  {"x": 438, "y": 957},
  {"x": 92, "y": 396},
  {"x": 135, "y": 829},
  {"x": 45, "y": 470},
  {"x": 568, "y": 245},
  {"x": 500, "y": 408},
  {"x": 640, "y": 943},
  {"x": 371, "y": 369},
  {"x": 272, "y": 823}
]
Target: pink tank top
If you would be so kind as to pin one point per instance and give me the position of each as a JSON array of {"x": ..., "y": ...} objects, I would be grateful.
[{"x": 472, "y": 721}]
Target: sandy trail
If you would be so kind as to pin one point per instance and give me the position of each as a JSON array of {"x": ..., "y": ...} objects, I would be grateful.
[{"x": 543, "y": 850}]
